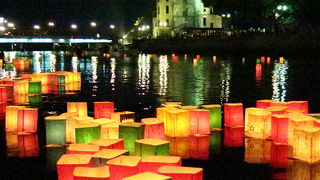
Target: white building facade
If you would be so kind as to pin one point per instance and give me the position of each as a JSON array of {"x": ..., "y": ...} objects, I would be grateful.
[{"x": 173, "y": 16}]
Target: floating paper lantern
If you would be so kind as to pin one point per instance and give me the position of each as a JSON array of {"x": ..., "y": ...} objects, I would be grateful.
[
  {"x": 280, "y": 128},
  {"x": 162, "y": 113},
  {"x": 172, "y": 104},
  {"x": 109, "y": 143},
  {"x": 110, "y": 131},
  {"x": 199, "y": 121},
  {"x": 153, "y": 163},
  {"x": 125, "y": 116},
  {"x": 179, "y": 146},
  {"x": 82, "y": 149},
  {"x": 258, "y": 123},
  {"x": 257, "y": 150},
  {"x": 100, "y": 158},
  {"x": 233, "y": 115},
  {"x": 148, "y": 175},
  {"x": 188, "y": 107},
  {"x": 153, "y": 128},
  {"x": 10, "y": 91},
  {"x": 3, "y": 94},
  {"x": 303, "y": 170},
  {"x": 12, "y": 117},
  {"x": 182, "y": 173},
  {"x": 53, "y": 153},
  {"x": 103, "y": 109},
  {"x": 123, "y": 166},
  {"x": 233, "y": 137},
  {"x": 149, "y": 147},
  {"x": 72, "y": 123},
  {"x": 297, "y": 120},
  {"x": 306, "y": 145},
  {"x": 87, "y": 132},
  {"x": 264, "y": 103},
  {"x": 130, "y": 132},
  {"x": 28, "y": 120},
  {"x": 22, "y": 87},
  {"x": 34, "y": 87},
  {"x": 91, "y": 173},
  {"x": 21, "y": 99},
  {"x": 276, "y": 103},
  {"x": 68, "y": 162},
  {"x": 28, "y": 145},
  {"x": 177, "y": 123},
  {"x": 56, "y": 130},
  {"x": 277, "y": 109},
  {"x": 279, "y": 155},
  {"x": 299, "y": 105},
  {"x": 199, "y": 147},
  {"x": 215, "y": 116},
  {"x": 78, "y": 107}
]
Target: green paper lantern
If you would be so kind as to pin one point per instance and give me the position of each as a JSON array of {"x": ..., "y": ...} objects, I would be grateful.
[
  {"x": 215, "y": 116},
  {"x": 55, "y": 130},
  {"x": 34, "y": 87},
  {"x": 130, "y": 132},
  {"x": 53, "y": 155},
  {"x": 151, "y": 147},
  {"x": 87, "y": 132}
]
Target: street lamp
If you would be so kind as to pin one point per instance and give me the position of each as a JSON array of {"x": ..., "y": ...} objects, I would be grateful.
[
  {"x": 2, "y": 28},
  {"x": 112, "y": 26},
  {"x": 93, "y": 24},
  {"x": 74, "y": 26},
  {"x": 10, "y": 25},
  {"x": 51, "y": 24},
  {"x": 37, "y": 27}
]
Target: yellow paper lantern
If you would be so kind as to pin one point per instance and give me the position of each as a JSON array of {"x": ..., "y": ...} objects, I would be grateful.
[
  {"x": 162, "y": 113},
  {"x": 79, "y": 107},
  {"x": 125, "y": 116},
  {"x": 257, "y": 151},
  {"x": 12, "y": 117},
  {"x": 109, "y": 128},
  {"x": 91, "y": 173},
  {"x": 22, "y": 87},
  {"x": 258, "y": 123},
  {"x": 72, "y": 123},
  {"x": 179, "y": 172},
  {"x": 177, "y": 123},
  {"x": 123, "y": 166},
  {"x": 298, "y": 169},
  {"x": 12, "y": 144},
  {"x": 21, "y": 99},
  {"x": 297, "y": 120},
  {"x": 153, "y": 163}
]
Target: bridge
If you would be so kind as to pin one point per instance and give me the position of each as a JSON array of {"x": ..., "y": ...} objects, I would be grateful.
[{"x": 16, "y": 40}]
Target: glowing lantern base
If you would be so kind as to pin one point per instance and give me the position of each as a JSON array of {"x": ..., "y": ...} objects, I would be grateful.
[
  {"x": 148, "y": 175},
  {"x": 153, "y": 163},
  {"x": 279, "y": 128},
  {"x": 279, "y": 155},
  {"x": 149, "y": 147},
  {"x": 68, "y": 162},
  {"x": 179, "y": 146},
  {"x": 181, "y": 173}
]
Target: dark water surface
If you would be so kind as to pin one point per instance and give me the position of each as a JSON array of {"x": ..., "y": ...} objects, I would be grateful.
[{"x": 142, "y": 82}]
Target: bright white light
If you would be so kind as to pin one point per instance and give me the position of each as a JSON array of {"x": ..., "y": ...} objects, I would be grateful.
[
  {"x": 223, "y": 15},
  {"x": 51, "y": 24},
  {"x": 36, "y": 27},
  {"x": 284, "y": 7},
  {"x": 1, "y": 19},
  {"x": 10, "y": 24},
  {"x": 112, "y": 26},
  {"x": 139, "y": 29},
  {"x": 98, "y": 35},
  {"x": 228, "y": 15},
  {"x": 74, "y": 26},
  {"x": 276, "y": 15},
  {"x": 2, "y": 28},
  {"x": 93, "y": 24},
  {"x": 165, "y": 24},
  {"x": 143, "y": 28},
  {"x": 5, "y": 21},
  {"x": 147, "y": 26},
  {"x": 124, "y": 36},
  {"x": 279, "y": 7}
]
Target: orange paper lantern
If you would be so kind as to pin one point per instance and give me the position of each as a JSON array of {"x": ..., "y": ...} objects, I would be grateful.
[
  {"x": 199, "y": 147},
  {"x": 277, "y": 109},
  {"x": 123, "y": 166},
  {"x": 21, "y": 87},
  {"x": 181, "y": 173},
  {"x": 89, "y": 173},
  {"x": 276, "y": 103},
  {"x": 258, "y": 123},
  {"x": 100, "y": 158},
  {"x": 109, "y": 143},
  {"x": 280, "y": 128},
  {"x": 82, "y": 149},
  {"x": 12, "y": 117},
  {"x": 78, "y": 107},
  {"x": 264, "y": 103},
  {"x": 172, "y": 104},
  {"x": 199, "y": 121},
  {"x": 103, "y": 109},
  {"x": 177, "y": 123},
  {"x": 297, "y": 120},
  {"x": 3, "y": 94},
  {"x": 233, "y": 115},
  {"x": 188, "y": 107},
  {"x": 153, "y": 163},
  {"x": 153, "y": 128},
  {"x": 28, "y": 120},
  {"x": 68, "y": 162},
  {"x": 149, "y": 176},
  {"x": 257, "y": 150},
  {"x": 233, "y": 137},
  {"x": 110, "y": 131},
  {"x": 299, "y": 105},
  {"x": 10, "y": 91}
]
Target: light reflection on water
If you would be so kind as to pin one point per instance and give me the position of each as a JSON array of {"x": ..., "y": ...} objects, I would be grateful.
[{"x": 279, "y": 82}]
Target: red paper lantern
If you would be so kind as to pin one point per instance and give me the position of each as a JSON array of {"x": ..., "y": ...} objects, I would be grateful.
[
  {"x": 233, "y": 115},
  {"x": 181, "y": 173},
  {"x": 68, "y": 162},
  {"x": 109, "y": 143},
  {"x": 153, "y": 163},
  {"x": 276, "y": 103},
  {"x": 153, "y": 128},
  {"x": 233, "y": 137},
  {"x": 299, "y": 105},
  {"x": 264, "y": 103},
  {"x": 199, "y": 147},
  {"x": 279, "y": 155},
  {"x": 123, "y": 166},
  {"x": 277, "y": 109},
  {"x": 280, "y": 128},
  {"x": 82, "y": 149},
  {"x": 103, "y": 109},
  {"x": 199, "y": 121},
  {"x": 28, "y": 120},
  {"x": 28, "y": 145},
  {"x": 3, "y": 94},
  {"x": 89, "y": 173}
]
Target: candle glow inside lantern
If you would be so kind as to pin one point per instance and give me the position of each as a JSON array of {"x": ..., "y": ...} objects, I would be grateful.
[
  {"x": 299, "y": 105},
  {"x": 297, "y": 120},
  {"x": 233, "y": 137},
  {"x": 280, "y": 128},
  {"x": 123, "y": 166},
  {"x": 179, "y": 146},
  {"x": 91, "y": 173},
  {"x": 68, "y": 162},
  {"x": 78, "y": 107},
  {"x": 55, "y": 130},
  {"x": 279, "y": 155},
  {"x": 148, "y": 175},
  {"x": 258, "y": 123},
  {"x": 264, "y": 103},
  {"x": 10, "y": 91},
  {"x": 82, "y": 149},
  {"x": 153, "y": 163},
  {"x": 109, "y": 143},
  {"x": 12, "y": 117},
  {"x": 177, "y": 123},
  {"x": 162, "y": 113},
  {"x": 34, "y": 87},
  {"x": 87, "y": 132},
  {"x": 100, "y": 158},
  {"x": 28, "y": 120},
  {"x": 103, "y": 109},
  {"x": 22, "y": 87},
  {"x": 125, "y": 116},
  {"x": 306, "y": 145},
  {"x": 257, "y": 151},
  {"x": 149, "y": 147},
  {"x": 130, "y": 132},
  {"x": 199, "y": 147},
  {"x": 110, "y": 131},
  {"x": 233, "y": 115},
  {"x": 153, "y": 128},
  {"x": 28, "y": 145},
  {"x": 182, "y": 173},
  {"x": 199, "y": 121},
  {"x": 215, "y": 116}
]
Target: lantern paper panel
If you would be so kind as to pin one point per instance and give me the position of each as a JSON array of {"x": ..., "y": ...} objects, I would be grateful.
[
  {"x": 306, "y": 145},
  {"x": 55, "y": 130},
  {"x": 153, "y": 163},
  {"x": 12, "y": 117},
  {"x": 87, "y": 132},
  {"x": 125, "y": 116},
  {"x": 182, "y": 173},
  {"x": 9, "y": 91},
  {"x": 233, "y": 137},
  {"x": 179, "y": 146},
  {"x": 264, "y": 103},
  {"x": 82, "y": 149},
  {"x": 153, "y": 128},
  {"x": 299, "y": 105},
  {"x": 199, "y": 121},
  {"x": 28, "y": 120},
  {"x": 215, "y": 116},
  {"x": 277, "y": 109},
  {"x": 151, "y": 147},
  {"x": 3, "y": 94},
  {"x": 297, "y": 120},
  {"x": 277, "y": 103},
  {"x": 28, "y": 145},
  {"x": 162, "y": 113},
  {"x": 280, "y": 128},
  {"x": 78, "y": 107},
  {"x": 22, "y": 87},
  {"x": 68, "y": 162},
  {"x": 52, "y": 156},
  {"x": 91, "y": 173},
  {"x": 199, "y": 147},
  {"x": 258, "y": 123},
  {"x": 109, "y": 143},
  {"x": 123, "y": 166},
  {"x": 177, "y": 123},
  {"x": 110, "y": 131},
  {"x": 21, "y": 99},
  {"x": 188, "y": 107},
  {"x": 257, "y": 151},
  {"x": 34, "y": 87},
  {"x": 100, "y": 158},
  {"x": 72, "y": 124},
  {"x": 130, "y": 132},
  {"x": 303, "y": 170},
  {"x": 148, "y": 175},
  {"x": 233, "y": 115},
  {"x": 279, "y": 155},
  {"x": 103, "y": 109}
]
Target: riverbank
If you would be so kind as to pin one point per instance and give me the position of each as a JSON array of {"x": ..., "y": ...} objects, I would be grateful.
[{"x": 280, "y": 44}]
